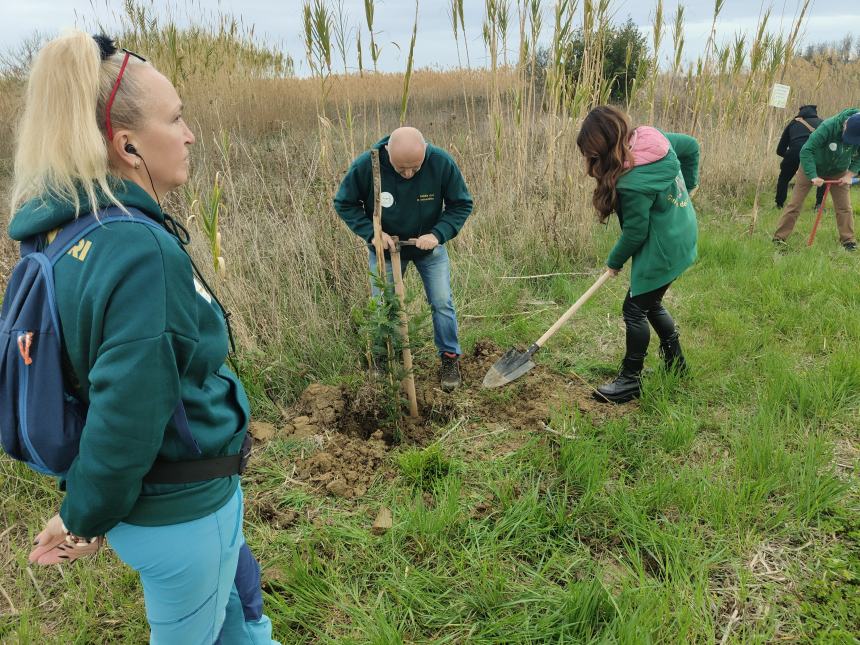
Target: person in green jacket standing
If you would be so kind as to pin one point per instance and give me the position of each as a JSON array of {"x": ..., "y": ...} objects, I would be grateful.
[
  {"x": 144, "y": 338},
  {"x": 646, "y": 178},
  {"x": 423, "y": 197},
  {"x": 832, "y": 152}
]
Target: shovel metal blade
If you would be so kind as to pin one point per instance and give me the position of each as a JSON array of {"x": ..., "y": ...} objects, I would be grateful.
[{"x": 509, "y": 367}]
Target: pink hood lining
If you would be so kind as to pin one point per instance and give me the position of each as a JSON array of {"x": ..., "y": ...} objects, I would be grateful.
[{"x": 647, "y": 145}]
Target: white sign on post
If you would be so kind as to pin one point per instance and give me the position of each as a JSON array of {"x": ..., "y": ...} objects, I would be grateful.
[{"x": 779, "y": 95}]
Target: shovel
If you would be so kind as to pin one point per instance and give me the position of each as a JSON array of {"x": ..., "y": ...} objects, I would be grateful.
[
  {"x": 827, "y": 184},
  {"x": 515, "y": 363},
  {"x": 820, "y": 211}
]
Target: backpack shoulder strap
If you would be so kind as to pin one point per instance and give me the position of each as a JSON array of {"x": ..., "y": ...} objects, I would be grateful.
[
  {"x": 800, "y": 119},
  {"x": 70, "y": 234}
]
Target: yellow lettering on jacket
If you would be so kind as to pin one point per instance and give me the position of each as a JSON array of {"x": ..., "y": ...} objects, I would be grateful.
[
  {"x": 678, "y": 202},
  {"x": 80, "y": 250}
]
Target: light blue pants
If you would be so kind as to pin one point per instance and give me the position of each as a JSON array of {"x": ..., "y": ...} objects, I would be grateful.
[
  {"x": 435, "y": 271},
  {"x": 201, "y": 585}
]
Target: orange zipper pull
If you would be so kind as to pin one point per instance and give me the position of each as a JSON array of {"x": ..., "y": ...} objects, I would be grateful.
[{"x": 25, "y": 341}]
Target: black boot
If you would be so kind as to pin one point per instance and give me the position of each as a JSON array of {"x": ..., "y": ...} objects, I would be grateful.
[
  {"x": 626, "y": 385},
  {"x": 673, "y": 357}
]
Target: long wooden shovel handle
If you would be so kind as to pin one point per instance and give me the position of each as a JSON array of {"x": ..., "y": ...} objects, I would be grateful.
[
  {"x": 573, "y": 308},
  {"x": 820, "y": 211}
]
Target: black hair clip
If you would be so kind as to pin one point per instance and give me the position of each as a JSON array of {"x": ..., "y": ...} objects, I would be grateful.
[{"x": 107, "y": 47}]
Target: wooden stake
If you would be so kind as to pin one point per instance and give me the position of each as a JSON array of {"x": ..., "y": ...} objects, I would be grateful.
[
  {"x": 377, "y": 237},
  {"x": 377, "y": 215},
  {"x": 409, "y": 379},
  {"x": 377, "y": 233}
]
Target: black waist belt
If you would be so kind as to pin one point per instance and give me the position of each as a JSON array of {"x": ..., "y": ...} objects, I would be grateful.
[{"x": 198, "y": 470}]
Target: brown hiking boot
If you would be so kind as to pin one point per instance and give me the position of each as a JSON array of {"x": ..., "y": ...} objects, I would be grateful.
[{"x": 449, "y": 372}]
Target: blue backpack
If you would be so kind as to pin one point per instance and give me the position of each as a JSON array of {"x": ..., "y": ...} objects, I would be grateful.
[{"x": 40, "y": 421}]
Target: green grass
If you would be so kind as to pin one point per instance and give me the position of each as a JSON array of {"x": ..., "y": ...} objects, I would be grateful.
[
  {"x": 425, "y": 467},
  {"x": 726, "y": 505}
]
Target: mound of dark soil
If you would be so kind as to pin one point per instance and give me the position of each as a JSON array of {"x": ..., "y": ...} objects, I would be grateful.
[{"x": 355, "y": 438}]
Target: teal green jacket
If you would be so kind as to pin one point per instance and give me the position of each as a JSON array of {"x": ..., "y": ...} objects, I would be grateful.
[
  {"x": 825, "y": 155},
  {"x": 658, "y": 222},
  {"x": 435, "y": 200},
  {"x": 139, "y": 333}
]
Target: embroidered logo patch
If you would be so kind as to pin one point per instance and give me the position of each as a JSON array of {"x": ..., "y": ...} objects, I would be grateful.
[{"x": 679, "y": 199}]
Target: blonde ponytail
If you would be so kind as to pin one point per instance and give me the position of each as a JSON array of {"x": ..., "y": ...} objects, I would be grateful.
[{"x": 61, "y": 148}]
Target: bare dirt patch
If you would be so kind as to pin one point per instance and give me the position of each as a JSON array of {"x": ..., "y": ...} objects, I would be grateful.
[
  {"x": 346, "y": 466},
  {"x": 530, "y": 400},
  {"x": 355, "y": 437}
]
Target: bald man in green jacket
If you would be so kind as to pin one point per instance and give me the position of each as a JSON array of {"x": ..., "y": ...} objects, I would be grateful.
[{"x": 423, "y": 197}]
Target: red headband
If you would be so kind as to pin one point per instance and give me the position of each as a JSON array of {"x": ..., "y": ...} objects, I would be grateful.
[{"x": 113, "y": 96}]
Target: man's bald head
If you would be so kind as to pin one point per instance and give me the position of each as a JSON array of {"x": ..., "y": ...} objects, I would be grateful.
[{"x": 406, "y": 148}]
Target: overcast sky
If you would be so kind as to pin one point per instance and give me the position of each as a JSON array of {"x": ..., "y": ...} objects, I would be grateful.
[{"x": 279, "y": 21}]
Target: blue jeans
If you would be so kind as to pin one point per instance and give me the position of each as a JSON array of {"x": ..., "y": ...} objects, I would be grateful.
[
  {"x": 200, "y": 582},
  {"x": 435, "y": 271}
]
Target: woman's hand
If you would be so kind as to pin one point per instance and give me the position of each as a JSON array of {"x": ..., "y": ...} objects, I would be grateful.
[
  {"x": 613, "y": 272},
  {"x": 818, "y": 182},
  {"x": 54, "y": 545}
]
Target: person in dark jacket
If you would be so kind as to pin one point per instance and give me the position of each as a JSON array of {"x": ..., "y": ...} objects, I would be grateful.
[
  {"x": 793, "y": 137},
  {"x": 645, "y": 176},
  {"x": 423, "y": 197}
]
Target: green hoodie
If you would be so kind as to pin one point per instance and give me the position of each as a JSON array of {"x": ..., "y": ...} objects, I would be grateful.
[
  {"x": 435, "y": 200},
  {"x": 139, "y": 333},
  {"x": 825, "y": 155},
  {"x": 658, "y": 222}
]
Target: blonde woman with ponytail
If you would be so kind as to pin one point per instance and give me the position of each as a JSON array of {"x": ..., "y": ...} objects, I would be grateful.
[{"x": 162, "y": 447}]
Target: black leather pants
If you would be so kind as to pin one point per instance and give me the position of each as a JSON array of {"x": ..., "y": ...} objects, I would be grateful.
[{"x": 638, "y": 312}]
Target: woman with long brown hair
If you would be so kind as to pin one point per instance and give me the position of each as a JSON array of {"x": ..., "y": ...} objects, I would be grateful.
[{"x": 645, "y": 177}]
